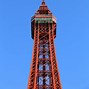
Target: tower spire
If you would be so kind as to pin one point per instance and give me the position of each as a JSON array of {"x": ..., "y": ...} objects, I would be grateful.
[{"x": 42, "y": 0}]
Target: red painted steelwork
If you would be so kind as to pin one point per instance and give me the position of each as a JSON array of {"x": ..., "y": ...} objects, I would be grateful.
[{"x": 44, "y": 70}]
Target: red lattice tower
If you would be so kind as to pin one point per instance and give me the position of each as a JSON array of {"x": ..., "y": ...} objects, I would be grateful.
[{"x": 44, "y": 70}]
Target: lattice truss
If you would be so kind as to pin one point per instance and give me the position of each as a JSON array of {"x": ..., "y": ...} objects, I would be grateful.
[{"x": 44, "y": 70}]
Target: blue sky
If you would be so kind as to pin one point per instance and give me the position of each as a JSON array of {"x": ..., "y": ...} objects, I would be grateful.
[{"x": 72, "y": 42}]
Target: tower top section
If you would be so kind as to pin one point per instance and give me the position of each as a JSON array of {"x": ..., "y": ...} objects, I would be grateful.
[
  {"x": 42, "y": 16},
  {"x": 43, "y": 12}
]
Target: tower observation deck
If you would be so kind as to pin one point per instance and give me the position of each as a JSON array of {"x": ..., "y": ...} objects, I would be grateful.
[{"x": 44, "y": 69}]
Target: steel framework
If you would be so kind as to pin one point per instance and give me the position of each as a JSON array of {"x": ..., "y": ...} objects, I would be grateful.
[{"x": 44, "y": 70}]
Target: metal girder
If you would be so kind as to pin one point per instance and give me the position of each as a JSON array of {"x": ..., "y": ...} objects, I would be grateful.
[{"x": 44, "y": 70}]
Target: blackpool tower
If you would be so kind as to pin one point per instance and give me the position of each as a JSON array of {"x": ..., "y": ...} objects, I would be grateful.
[{"x": 44, "y": 69}]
